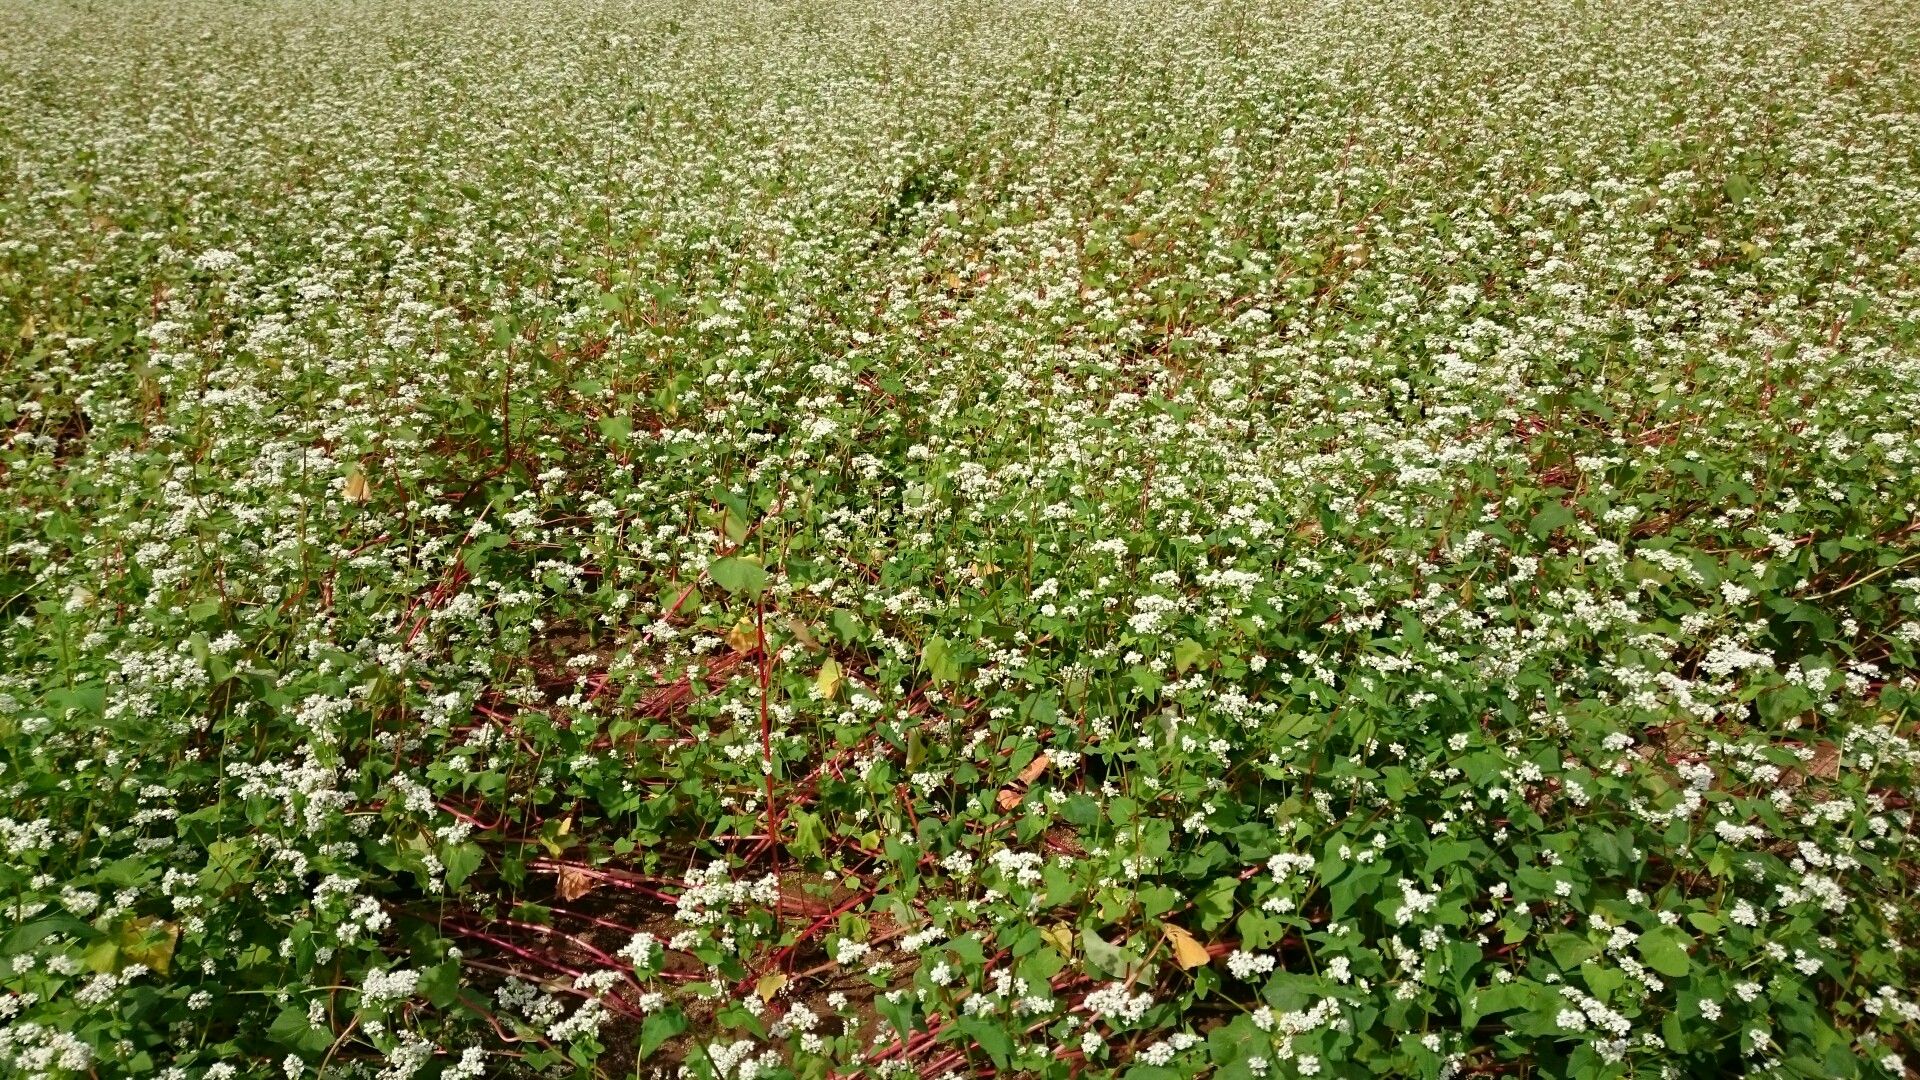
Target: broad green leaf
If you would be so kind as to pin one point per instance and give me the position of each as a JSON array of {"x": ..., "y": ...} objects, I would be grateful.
[
  {"x": 1215, "y": 905},
  {"x": 660, "y": 1026},
  {"x": 616, "y": 429},
  {"x": 809, "y": 835},
  {"x": 1186, "y": 654},
  {"x": 738, "y": 574},
  {"x": 440, "y": 984},
  {"x": 1103, "y": 957},
  {"x": 460, "y": 861},
  {"x": 991, "y": 1036},
  {"x": 291, "y": 1028},
  {"x": 1555, "y": 516},
  {"x": 1570, "y": 950},
  {"x": 1664, "y": 948},
  {"x": 943, "y": 665}
]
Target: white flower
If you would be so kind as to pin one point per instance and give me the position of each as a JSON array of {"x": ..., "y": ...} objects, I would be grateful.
[
  {"x": 641, "y": 950},
  {"x": 215, "y": 260},
  {"x": 1245, "y": 965},
  {"x": 380, "y": 987},
  {"x": 1113, "y": 1003}
]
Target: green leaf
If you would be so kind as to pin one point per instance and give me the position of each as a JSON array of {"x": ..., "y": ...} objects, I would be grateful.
[
  {"x": 1257, "y": 931},
  {"x": 102, "y": 957},
  {"x": 1570, "y": 950},
  {"x": 897, "y": 1012},
  {"x": 968, "y": 949},
  {"x": 1674, "y": 1031},
  {"x": 845, "y": 625},
  {"x": 1157, "y": 900},
  {"x": 1109, "y": 959},
  {"x": 738, "y": 574},
  {"x": 1186, "y": 654},
  {"x": 291, "y": 1028},
  {"x": 809, "y": 835},
  {"x": 1344, "y": 894},
  {"x": 23, "y": 938},
  {"x": 1505, "y": 997},
  {"x": 1602, "y": 980},
  {"x": 991, "y": 1037},
  {"x": 460, "y": 861},
  {"x": 737, "y": 1017},
  {"x": 943, "y": 665},
  {"x": 616, "y": 429},
  {"x": 660, "y": 1026},
  {"x": 730, "y": 523},
  {"x": 440, "y": 984},
  {"x": 1080, "y": 810},
  {"x": 1555, "y": 516},
  {"x": 1664, "y": 948},
  {"x": 1445, "y": 853},
  {"x": 227, "y": 862},
  {"x": 1215, "y": 905}
]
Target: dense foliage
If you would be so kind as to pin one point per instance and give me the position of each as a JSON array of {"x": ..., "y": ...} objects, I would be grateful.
[{"x": 880, "y": 537}]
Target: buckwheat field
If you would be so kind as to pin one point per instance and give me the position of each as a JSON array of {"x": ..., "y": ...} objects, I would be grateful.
[{"x": 750, "y": 540}]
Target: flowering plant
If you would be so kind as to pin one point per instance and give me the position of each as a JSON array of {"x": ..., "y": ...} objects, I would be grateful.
[{"x": 1158, "y": 539}]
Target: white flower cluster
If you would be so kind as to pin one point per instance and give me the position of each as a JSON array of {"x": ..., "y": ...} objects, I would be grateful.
[
  {"x": 383, "y": 987},
  {"x": 1116, "y": 1004}
]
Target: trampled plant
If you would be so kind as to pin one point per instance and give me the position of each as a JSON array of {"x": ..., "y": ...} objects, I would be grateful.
[{"x": 1159, "y": 539}]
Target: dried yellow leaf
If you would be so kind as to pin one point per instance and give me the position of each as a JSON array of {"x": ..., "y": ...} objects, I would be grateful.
[
  {"x": 829, "y": 679},
  {"x": 1187, "y": 950},
  {"x": 147, "y": 940},
  {"x": 741, "y": 638}
]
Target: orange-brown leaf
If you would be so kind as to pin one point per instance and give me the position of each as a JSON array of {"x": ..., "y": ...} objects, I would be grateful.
[
  {"x": 1187, "y": 950},
  {"x": 575, "y": 883}
]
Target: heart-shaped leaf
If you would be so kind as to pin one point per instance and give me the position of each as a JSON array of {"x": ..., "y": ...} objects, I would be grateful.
[{"x": 738, "y": 574}]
